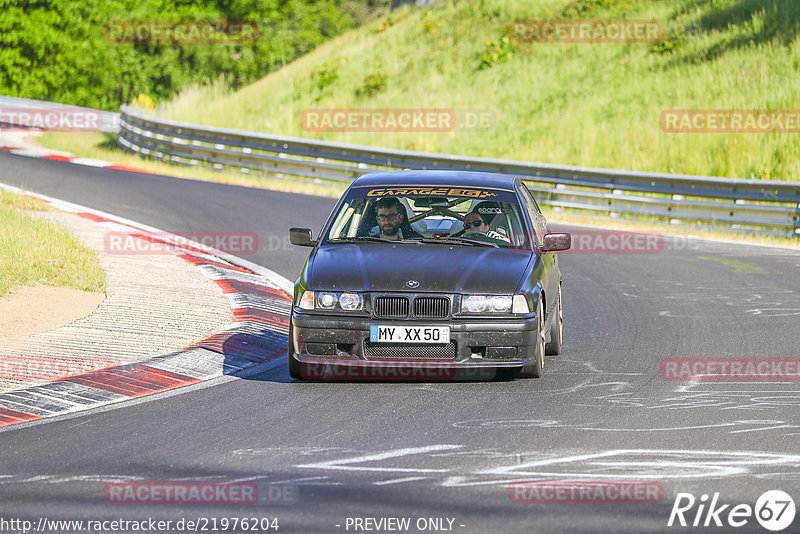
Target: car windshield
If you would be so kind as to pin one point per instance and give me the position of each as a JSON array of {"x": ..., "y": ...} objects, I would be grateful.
[{"x": 448, "y": 215}]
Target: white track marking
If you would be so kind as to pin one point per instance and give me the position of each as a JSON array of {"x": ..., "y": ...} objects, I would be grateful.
[
  {"x": 398, "y": 481},
  {"x": 91, "y": 162},
  {"x": 345, "y": 465}
]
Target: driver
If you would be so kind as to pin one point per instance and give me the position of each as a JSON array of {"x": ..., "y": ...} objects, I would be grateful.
[
  {"x": 477, "y": 222},
  {"x": 391, "y": 217}
]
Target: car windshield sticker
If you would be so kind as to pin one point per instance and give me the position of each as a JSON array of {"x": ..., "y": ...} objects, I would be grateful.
[{"x": 442, "y": 191}]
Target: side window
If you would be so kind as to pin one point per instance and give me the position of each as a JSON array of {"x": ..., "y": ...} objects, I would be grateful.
[
  {"x": 348, "y": 220},
  {"x": 535, "y": 214}
]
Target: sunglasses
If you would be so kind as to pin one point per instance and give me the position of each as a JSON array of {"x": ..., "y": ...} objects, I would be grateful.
[{"x": 473, "y": 224}]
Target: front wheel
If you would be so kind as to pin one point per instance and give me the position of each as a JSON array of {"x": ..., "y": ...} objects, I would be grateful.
[
  {"x": 536, "y": 369},
  {"x": 556, "y": 329}
]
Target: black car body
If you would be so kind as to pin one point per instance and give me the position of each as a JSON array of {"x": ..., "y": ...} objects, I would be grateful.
[{"x": 444, "y": 300}]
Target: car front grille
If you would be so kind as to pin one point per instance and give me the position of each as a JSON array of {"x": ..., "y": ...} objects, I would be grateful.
[
  {"x": 397, "y": 307},
  {"x": 380, "y": 351},
  {"x": 431, "y": 307},
  {"x": 390, "y": 307}
]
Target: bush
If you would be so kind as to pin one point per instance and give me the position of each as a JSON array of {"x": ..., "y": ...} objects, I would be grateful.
[
  {"x": 372, "y": 85},
  {"x": 323, "y": 76},
  {"x": 671, "y": 42},
  {"x": 58, "y": 50},
  {"x": 498, "y": 51},
  {"x": 581, "y": 8}
]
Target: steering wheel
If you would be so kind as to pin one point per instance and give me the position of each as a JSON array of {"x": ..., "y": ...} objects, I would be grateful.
[{"x": 473, "y": 234}]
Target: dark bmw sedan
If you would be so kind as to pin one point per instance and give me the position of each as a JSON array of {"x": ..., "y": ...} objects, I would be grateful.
[{"x": 425, "y": 275}]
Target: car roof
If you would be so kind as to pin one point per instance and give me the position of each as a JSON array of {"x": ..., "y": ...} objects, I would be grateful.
[{"x": 437, "y": 178}]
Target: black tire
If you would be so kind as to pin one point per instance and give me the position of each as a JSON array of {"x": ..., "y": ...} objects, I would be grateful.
[
  {"x": 536, "y": 369},
  {"x": 553, "y": 347},
  {"x": 294, "y": 364}
]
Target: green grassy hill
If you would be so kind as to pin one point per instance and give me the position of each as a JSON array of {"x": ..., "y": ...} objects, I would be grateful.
[{"x": 575, "y": 103}]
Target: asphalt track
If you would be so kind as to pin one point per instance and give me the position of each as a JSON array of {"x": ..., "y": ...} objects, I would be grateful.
[{"x": 601, "y": 413}]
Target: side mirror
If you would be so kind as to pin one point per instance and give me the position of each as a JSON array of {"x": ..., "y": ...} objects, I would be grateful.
[
  {"x": 556, "y": 242},
  {"x": 301, "y": 237}
]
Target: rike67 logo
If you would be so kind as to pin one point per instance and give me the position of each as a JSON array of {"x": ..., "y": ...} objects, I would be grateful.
[{"x": 774, "y": 511}]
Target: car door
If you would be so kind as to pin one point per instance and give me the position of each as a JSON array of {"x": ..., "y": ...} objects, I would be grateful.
[{"x": 550, "y": 273}]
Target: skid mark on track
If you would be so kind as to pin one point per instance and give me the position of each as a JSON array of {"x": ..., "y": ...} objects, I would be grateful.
[
  {"x": 749, "y": 300},
  {"x": 294, "y": 451},
  {"x": 735, "y": 427},
  {"x": 774, "y": 312},
  {"x": 641, "y": 464},
  {"x": 458, "y": 466},
  {"x": 347, "y": 464},
  {"x": 723, "y": 399},
  {"x": 498, "y": 468},
  {"x": 399, "y": 481}
]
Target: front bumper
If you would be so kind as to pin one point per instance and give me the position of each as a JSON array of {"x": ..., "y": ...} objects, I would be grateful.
[{"x": 478, "y": 343}]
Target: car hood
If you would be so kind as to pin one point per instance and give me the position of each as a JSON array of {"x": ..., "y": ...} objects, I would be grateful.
[{"x": 437, "y": 268}]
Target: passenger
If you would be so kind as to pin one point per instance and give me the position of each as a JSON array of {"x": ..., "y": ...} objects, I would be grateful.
[{"x": 392, "y": 223}]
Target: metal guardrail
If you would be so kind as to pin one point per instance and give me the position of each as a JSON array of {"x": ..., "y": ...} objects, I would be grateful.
[
  {"x": 765, "y": 206},
  {"x": 110, "y": 120}
]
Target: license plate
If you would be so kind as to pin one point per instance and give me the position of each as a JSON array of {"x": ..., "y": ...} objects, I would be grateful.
[{"x": 409, "y": 334}]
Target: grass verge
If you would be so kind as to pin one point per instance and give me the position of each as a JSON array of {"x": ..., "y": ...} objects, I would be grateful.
[{"x": 37, "y": 252}]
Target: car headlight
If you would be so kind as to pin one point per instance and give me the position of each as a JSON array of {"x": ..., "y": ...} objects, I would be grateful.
[
  {"x": 350, "y": 301},
  {"x": 326, "y": 301},
  {"x": 486, "y": 304},
  {"x": 329, "y": 300}
]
